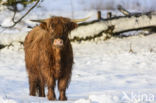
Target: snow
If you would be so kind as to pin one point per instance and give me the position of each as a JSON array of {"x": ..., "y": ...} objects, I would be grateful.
[
  {"x": 6, "y": 101},
  {"x": 103, "y": 71},
  {"x": 76, "y": 9}
]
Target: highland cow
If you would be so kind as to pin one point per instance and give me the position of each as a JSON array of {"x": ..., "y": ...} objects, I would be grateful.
[{"x": 49, "y": 57}]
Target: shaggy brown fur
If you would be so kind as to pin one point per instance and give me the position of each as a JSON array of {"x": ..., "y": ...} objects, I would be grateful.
[{"x": 46, "y": 62}]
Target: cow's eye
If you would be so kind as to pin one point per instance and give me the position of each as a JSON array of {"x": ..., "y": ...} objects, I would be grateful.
[{"x": 63, "y": 37}]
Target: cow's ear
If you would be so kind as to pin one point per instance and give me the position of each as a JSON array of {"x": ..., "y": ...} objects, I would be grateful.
[
  {"x": 43, "y": 25},
  {"x": 71, "y": 26}
]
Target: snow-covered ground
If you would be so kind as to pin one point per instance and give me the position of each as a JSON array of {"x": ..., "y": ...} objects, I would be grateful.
[{"x": 104, "y": 71}]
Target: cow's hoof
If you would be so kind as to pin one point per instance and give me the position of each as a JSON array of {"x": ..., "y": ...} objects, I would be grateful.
[
  {"x": 42, "y": 95},
  {"x": 32, "y": 94},
  {"x": 51, "y": 98},
  {"x": 63, "y": 98}
]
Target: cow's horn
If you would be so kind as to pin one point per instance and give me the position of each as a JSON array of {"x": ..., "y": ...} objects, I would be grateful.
[
  {"x": 40, "y": 21},
  {"x": 80, "y": 20}
]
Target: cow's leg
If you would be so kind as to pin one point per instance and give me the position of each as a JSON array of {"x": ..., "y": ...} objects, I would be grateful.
[
  {"x": 62, "y": 85},
  {"x": 51, "y": 86},
  {"x": 41, "y": 88},
  {"x": 32, "y": 85}
]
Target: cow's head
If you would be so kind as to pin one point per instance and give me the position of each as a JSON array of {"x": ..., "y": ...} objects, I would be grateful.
[{"x": 58, "y": 28}]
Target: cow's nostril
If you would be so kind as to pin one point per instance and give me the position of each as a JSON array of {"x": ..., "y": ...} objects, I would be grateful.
[
  {"x": 58, "y": 42},
  {"x": 61, "y": 42}
]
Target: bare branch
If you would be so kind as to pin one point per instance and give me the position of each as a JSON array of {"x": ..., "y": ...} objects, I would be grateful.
[
  {"x": 13, "y": 18},
  {"x": 124, "y": 11},
  {"x": 16, "y": 22},
  {"x": 15, "y": 2}
]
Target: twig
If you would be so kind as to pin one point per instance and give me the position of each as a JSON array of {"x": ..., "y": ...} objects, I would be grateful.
[
  {"x": 13, "y": 18},
  {"x": 13, "y": 2},
  {"x": 131, "y": 50},
  {"x": 16, "y": 22},
  {"x": 124, "y": 11}
]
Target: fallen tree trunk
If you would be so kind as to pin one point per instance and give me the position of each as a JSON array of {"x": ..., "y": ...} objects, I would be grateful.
[
  {"x": 10, "y": 44},
  {"x": 137, "y": 21},
  {"x": 3, "y": 46}
]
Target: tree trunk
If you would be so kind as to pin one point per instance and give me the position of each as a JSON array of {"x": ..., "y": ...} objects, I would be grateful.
[{"x": 120, "y": 24}]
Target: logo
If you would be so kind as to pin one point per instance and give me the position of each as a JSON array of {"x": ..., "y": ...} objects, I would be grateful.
[{"x": 137, "y": 97}]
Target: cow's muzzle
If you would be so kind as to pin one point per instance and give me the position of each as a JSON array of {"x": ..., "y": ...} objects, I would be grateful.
[{"x": 58, "y": 43}]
